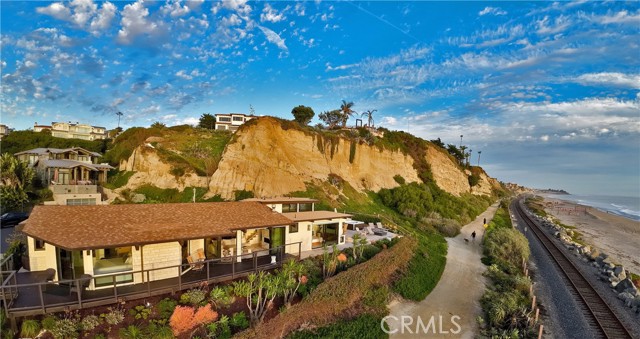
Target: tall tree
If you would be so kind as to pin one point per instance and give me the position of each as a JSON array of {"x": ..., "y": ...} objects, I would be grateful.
[
  {"x": 119, "y": 114},
  {"x": 15, "y": 180},
  {"x": 331, "y": 118},
  {"x": 207, "y": 121},
  {"x": 302, "y": 114},
  {"x": 346, "y": 111},
  {"x": 369, "y": 115}
]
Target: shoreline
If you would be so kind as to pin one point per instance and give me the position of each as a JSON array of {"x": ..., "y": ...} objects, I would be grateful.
[{"x": 615, "y": 235}]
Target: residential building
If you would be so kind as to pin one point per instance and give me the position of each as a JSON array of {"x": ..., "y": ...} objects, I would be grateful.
[
  {"x": 72, "y": 173},
  {"x": 4, "y": 130},
  {"x": 231, "y": 121},
  {"x": 70, "y": 130}
]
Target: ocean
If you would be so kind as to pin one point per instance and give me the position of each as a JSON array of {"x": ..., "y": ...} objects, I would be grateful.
[{"x": 628, "y": 207}]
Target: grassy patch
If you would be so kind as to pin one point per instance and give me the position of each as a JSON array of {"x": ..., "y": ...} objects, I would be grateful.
[
  {"x": 425, "y": 268},
  {"x": 117, "y": 179},
  {"x": 155, "y": 194},
  {"x": 364, "y": 326}
]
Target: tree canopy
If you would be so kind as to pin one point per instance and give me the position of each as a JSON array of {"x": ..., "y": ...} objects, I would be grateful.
[
  {"x": 207, "y": 121},
  {"x": 331, "y": 118},
  {"x": 15, "y": 180},
  {"x": 302, "y": 114},
  {"x": 346, "y": 111}
]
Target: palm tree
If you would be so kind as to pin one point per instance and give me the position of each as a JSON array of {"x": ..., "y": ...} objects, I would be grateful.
[
  {"x": 346, "y": 111},
  {"x": 369, "y": 115},
  {"x": 479, "y": 152},
  {"x": 119, "y": 114}
]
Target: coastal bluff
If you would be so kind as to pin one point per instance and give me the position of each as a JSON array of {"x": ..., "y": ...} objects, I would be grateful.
[{"x": 271, "y": 160}]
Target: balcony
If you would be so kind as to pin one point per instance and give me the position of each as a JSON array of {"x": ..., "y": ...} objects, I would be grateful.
[{"x": 74, "y": 189}]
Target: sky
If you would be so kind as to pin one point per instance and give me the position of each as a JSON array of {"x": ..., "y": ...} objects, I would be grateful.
[{"x": 549, "y": 92}]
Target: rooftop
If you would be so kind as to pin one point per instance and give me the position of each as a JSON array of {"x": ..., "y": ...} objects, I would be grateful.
[
  {"x": 282, "y": 200},
  {"x": 65, "y": 163},
  {"x": 104, "y": 226},
  {"x": 42, "y": 150},
  {"x": 314, "y": 215}
]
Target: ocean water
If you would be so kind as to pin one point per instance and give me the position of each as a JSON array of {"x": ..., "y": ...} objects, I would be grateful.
[{"x": 628, "y": 207}]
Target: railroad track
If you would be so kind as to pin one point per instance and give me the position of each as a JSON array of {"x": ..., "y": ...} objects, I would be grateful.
[{"x": 603, "y": 320}]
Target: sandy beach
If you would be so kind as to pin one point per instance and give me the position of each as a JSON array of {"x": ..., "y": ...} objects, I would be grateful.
[{"x": 614, "y": 235}]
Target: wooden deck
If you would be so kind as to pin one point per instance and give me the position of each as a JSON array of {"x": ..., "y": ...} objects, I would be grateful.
[{"x": 36, "y": 296}]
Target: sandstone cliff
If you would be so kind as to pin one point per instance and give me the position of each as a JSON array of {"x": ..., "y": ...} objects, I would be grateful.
[
  {"x": 271, "y": 161},
  {"x": 150, "y": 169}
]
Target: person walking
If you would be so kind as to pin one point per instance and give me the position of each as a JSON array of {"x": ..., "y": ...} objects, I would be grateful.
[{"x": 473, "y": 236}]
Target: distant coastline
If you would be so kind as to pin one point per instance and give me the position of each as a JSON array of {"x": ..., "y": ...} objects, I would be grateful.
[
  {"x": 551, "y": 191},
  {"x": 627, "y": 207}
]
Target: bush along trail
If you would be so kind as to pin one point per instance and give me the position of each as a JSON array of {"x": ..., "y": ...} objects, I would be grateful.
[{"x": 507, "y": 301}]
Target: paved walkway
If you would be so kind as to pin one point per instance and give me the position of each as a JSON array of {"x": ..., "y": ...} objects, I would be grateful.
[{"x": 451, "y": 309}]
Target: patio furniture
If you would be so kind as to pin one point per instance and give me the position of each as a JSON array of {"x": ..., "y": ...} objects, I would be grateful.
[
  {"x": 194, "y": 265},
  {"x": 378, "y": 230},
  {"x": 362, "y": 233},
  {"x": 200, "y": 254},
  {"x": 84, "y": 281},
  {"x": 227, "y": 256}
]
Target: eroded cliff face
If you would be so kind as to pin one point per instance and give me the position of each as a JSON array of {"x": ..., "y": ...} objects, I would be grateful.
[
  {"x": 446, "y": 173},
  {"x": 271, "y": 161},
  {"x": 150, "y": 169}
]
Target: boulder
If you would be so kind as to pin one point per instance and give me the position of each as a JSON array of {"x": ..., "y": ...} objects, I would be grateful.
[
  {"x": 627, "y": 298},
  {"x": 138, "y": 198},
  {"x": 625, "y": 285},
  {"x": 593, "y": 254},
  {"x": 619, "y": 272}
]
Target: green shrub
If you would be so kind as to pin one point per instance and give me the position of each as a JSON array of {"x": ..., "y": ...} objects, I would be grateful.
[
  {"x": 65, "y": 328},
  {"x": 314, "y": 276},
  {"x": 131, "y": 332},
  {"x": 369, "y": 251},
  {"x": 242, "y": 194},
  {"x": 48, "y": 323},
  {"x": 140, "y": 312},
  {"x": 448, "y": 227},
  {"x": 507, "y": 245},
  {"x": 399, "y": 179},
  {"x": 375, "y": 300},
  {"x": 159, "y": 331},
  {"x": 165, "y": 307},
  {"x": 222, "y": 297},
  {"x": 89, "y": 322},
  {"x": 30, "y": 328},
  {"x": 114, "y": 316},
  {"x": 220, "y": 329},
  {"x": 239, "y": 321},
  {"x": 117, "y": 179},
  {"x": 194, "y": 297},
  {"x": 364, "y": 326}
]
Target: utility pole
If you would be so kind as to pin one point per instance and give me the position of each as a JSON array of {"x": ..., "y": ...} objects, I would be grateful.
[{"x": 479, "y": 152}]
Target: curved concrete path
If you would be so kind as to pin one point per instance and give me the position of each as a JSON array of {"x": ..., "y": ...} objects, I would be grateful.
[{"x": 451, "y": 309}]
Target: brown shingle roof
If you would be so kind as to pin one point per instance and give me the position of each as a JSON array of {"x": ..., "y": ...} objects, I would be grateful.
[
  {"x": 103, "y": 226},
  {"x": 314, "y": 215}
]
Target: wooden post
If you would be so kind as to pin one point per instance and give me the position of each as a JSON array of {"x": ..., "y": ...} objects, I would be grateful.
[
  {"x": 533, "y": 302},
  {"x": 78, "y": 287},
  {"x": 531, "y": 289},
  {"x": 540, "y": 331},
  {"x": 41, "y": 297},
  {"x": 148, "y": 283},
  {"x": 537, "y": 314},
  {"x": 255, "y": 262}
]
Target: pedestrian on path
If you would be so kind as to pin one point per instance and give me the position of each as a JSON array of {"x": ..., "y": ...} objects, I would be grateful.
[{"x": 473, "y": 236}]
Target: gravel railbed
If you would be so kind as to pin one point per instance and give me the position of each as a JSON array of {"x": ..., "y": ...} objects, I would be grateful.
[{"x": 554, "y": 294}]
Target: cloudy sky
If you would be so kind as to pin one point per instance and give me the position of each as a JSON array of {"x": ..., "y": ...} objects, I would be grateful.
[{"x": 549, "y": 92}]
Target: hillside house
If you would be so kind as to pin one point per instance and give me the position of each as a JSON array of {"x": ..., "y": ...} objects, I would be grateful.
[
  {"x": 70, "y": 130},
  {"x": 72, "y": 174},
  {"x": 231, "y": 121}
]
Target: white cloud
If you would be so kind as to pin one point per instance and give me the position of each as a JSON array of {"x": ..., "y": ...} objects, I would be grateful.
[
  {"x": 560, "y": 24},
  {"x": 103, "y": 20},
  {"x": 622, "y": 17},
  {"x": 56, "y": 10},
  {"x": 544, "y": 138},
  {"x": 492, "y": 10},
  {"x": 610, "y": 79},
  {"x": 182, "y": 74},
  {"x": 188, "y": 121},
  {"x": 273, "y": 38},
  {"x": 389, "y": 121},
  {"x": 270, "y": 14},
  {"x": 175, "y": 9},
  {"x": 135, "y": 22},
  {"x": 238, "y": 6},
  {"x": 340, "y": 67}
]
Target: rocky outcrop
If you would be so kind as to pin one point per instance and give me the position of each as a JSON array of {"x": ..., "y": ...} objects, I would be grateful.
[
  {"x": 150, "y": 169},
  {"x": 271, "y": 161}
]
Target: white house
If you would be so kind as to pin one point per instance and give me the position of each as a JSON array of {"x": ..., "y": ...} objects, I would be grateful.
[{"x": 231, "y": 121}]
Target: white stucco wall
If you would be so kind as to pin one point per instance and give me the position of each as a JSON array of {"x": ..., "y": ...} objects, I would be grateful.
[
  {"x": 162, "y": 255},
  {"x": 40, "y": 260}
]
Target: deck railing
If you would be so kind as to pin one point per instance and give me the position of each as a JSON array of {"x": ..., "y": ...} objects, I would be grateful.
[{"x": 209, "y": 271}]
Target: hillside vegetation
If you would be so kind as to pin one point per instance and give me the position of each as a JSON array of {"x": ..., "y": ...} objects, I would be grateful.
[{"x": 19, "y": 141}]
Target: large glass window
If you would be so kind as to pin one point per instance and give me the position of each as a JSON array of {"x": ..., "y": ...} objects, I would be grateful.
[
  {"x": 78, "y": 202},
  {"x": 224, "y": 119},
  {"x": 112, "y": 260},
  {"x": 305, "y": 207},
  {"x": 289, "y": 208},
  {"x": 238, "y": 119}
]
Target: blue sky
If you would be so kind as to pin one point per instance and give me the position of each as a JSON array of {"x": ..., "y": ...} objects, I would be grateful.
[{"x": 549, "y": 92}]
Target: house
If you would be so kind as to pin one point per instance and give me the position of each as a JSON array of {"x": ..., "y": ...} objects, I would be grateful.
[
  {"x": 312, "y": 228},
  {"x": 70, "y": 130},
  {"x": 231, "y": 121},
  {"x": 72, "y": 173},
  {"x": 4, "y": 130},
  {"x": 115, "y": 243}
]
